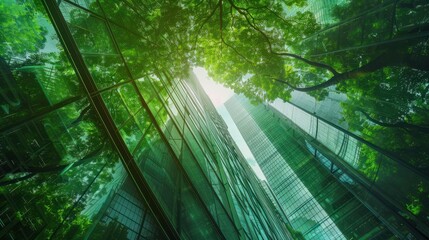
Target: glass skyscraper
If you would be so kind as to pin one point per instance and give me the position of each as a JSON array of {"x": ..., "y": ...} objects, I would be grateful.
[
  {"x": 94, "y": 147},
  {"x": 105, "y": 132},
  {"x": 319, "y": 176}
]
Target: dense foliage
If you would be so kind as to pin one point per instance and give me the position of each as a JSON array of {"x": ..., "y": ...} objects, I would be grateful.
[{"x": 373, "y": 52}]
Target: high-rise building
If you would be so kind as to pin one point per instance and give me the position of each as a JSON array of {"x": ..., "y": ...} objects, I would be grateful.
[
  {"x": 321, "y": 178},
  {"x": 94, "y": 147},
  {"x": 365, "y": 128},
  {"x": 105, "y": 133},
  {"x": 357, "y": 33}
]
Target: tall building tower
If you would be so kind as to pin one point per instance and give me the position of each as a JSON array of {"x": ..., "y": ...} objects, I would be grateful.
[
  {"x": 313, "y": 175},
  {"x": 96, "y": 145}
]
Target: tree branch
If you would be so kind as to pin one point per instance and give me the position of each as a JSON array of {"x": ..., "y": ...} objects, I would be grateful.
[
  {"x": 383, "y": 60},
  {"x": 204, "y": 23},
  {"x": 270, "y": 47},
  {"x": 309, "y": 62},
  {"x": 220, "y": 3},
  {"x": 81, "y": 116},
  {"x": 236, "y": 51},
  {"x": 403, "y": 125},
  {"x": 32, "y": 171},
  {"x": 15, "y": 180},
  {"x": 332, "y": 81}
]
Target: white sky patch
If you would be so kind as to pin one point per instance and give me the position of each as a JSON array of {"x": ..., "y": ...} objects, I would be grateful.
[
  {"x": 219, "y": 94},
  {"x": 216, "y": 92},
  {"x": 239, "y": 140}
]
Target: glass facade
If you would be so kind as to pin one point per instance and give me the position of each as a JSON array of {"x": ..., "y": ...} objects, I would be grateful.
[
  {"x": 388, "y": 100},
  {"x": 352, "y": 25},
  {"x": 323, "y": 177},
  {"x": 105, "y": 133},
  {"x": 376, "y": 122},
  {"x": 96, "y": 143}
]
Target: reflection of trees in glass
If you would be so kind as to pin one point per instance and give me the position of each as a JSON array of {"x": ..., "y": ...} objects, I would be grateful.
[
  {"x": 241, "y": 45},
  {"x": 16, "y": 19},
  {"x": 369, "y": 163},
  {"x": 397, "y": 123},
  {"x": 157, "y": 40},
  {"x": 161, "y": 39},
  {"x": 387, "y": 103},
  {"x": 92, "y": 37},
  {"x": 58, "y": 192},
  {"x": 257, "y": 50},
  {"x": 253, "y": 47},
  {"x": 19, "y": 18},
  {"x": 112, "y": 230},
  {"x": 62, "y": 137},
  {"x": 53, "y": 160},
  {"x": 36, "y": 82},
  {"x": 417, "y": 200},
  {"x": 35, "y": 73},
  {"x": 39, "y": 77}
]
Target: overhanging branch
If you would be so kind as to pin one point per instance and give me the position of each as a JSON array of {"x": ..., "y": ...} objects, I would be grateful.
[
  {"x": 332, "y": 81},
  {"x": 246, "y": 15},
  {"x": 398, "y": 124}
]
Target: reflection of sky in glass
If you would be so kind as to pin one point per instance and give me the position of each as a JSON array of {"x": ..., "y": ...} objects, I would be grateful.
[
  {"x": 51, "y": 37},
  {"x": 219, "y": 94},
  {"x": 300, "y": 206},
  {"x": 346, "y": 147}
]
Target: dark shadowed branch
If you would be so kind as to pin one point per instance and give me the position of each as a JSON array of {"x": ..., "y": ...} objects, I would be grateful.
[{"x": 398, "y": 124}]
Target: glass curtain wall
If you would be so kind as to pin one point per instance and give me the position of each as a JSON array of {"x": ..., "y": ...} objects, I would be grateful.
[
  {"x": 319, "y": 191},
  {"x": 397, "y": 182},
  {"x": 388, "y": 107},
  {"x": 375, "y": 121},
  {"x": 98, "y": 142},
  {"x": 59, "y": 169}
]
